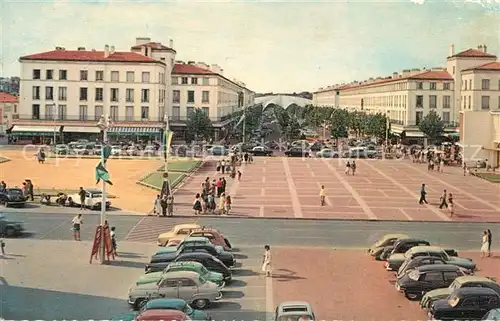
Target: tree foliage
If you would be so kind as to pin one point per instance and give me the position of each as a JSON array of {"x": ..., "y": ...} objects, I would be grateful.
[
  {"x": 431, "y": 125},
  {"x": 199, "y": 125}
]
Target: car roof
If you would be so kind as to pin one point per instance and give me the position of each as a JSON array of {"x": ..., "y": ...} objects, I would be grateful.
[
  {"x": 196, "y": 239},
  {"x": 425, "y": 248},
  {"x": 437, "y": 267},
  {"x": 175, "y": 304},
  {"x": 473, "y": 278},
  {"x": 206, "y": 229},
  {"x": 404, "y": 240},
  {"x": 393, "y": 236},
  {"x": 460, "y": 292},
  {"x": 189, "y": 226},
  {"x": 182, "y": 274},
  {"x": 162, "y": 314},
  {"x": 184, "y": 263},
  {"x": 195, "y": 254},
  {"x": 293, "y": 305}
]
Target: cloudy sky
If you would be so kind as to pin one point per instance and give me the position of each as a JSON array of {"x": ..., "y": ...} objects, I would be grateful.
[{"x": 279, "y": 46}]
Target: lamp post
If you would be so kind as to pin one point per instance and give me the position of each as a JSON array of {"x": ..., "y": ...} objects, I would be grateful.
[
  {"x": 104, "y": 124},
  {"x": 387, "y": 123},
  {"x": 167, "y": 130},
  {"x": 325, "y": 126}
]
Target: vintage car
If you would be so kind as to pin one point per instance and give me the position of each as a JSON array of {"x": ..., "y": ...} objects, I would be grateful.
[
  {"x": 164, "y": 304},
  {"x": 294, "y": 310},
  {"x": 261, "y": 151},
  {"x": 215, "y": 237},
  {"x": 226, "y": 257},
  {"x": 412, "y": 263},
  {"x": 212, "y": 263},
  {"x": 386, "y": 240},
  {"x": 297, "y": 152},
  {"x": 461, "y": 282},
  {"x": 327, "y": 153},
  {"x": 10, "y": 228},
  {"x": 162, "y": 315},
  {"x": 492, "y": 315},
  {"x": 396, "y": 260},
  {"x": 193, "y": 266},
  {"x": 401, "y": 246},
  {"x": 93, "y": 199},
  {"x": 178, "y": 232},
  {"x": 13, "y": 197},
  {"x": 465, "y": 304},
  {"x": 186, "y": 285},
  {"x": 426, "y": 278}
]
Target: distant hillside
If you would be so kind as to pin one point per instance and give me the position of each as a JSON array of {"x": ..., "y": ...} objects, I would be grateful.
[{"x": 304, "y": 94}]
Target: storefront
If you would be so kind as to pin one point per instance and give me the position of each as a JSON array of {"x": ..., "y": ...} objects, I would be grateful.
[
  {"x": 23, "y": 135},
  {"x": 135, "y": 134},
  {"x": 74, "y": 133}
]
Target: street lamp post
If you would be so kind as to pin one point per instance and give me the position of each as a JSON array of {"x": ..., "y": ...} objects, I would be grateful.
[
  {"x": 104, "y": 124},
  {"x": 325, "y": 126},
  {"x": 167, "y": 130}
]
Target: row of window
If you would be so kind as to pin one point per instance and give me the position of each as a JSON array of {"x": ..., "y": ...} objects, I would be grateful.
[
  {"x": 114, "y": 94},
  {"x": 485, "y": 84},
  {"x": 190, "y": 81},
  {"x": 433, "y": 103},
  {"x": 445, "y": 117},
  {"x": 114, "y": 76},
  {"x": 433, "y": 86},
  {"x": 485, "y": 102}
]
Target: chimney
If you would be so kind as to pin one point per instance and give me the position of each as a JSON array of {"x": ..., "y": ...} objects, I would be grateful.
[
  {"x": 81, "y": 48},
  {"x": 480, "y": 47},
  {"x": 484, "y": 49},
  {"x": 112, "y": 50},
  {"x": 452, "y": 50},
  {"x": 106, "y": 51},
  {"x": 142, "y": 40},
  {"x": 171, "y": 44},
  {"x": 394, "y": 75}
]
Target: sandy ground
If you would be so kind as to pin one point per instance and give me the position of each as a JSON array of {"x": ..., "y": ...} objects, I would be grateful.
[{"x": 73, "y": 173}]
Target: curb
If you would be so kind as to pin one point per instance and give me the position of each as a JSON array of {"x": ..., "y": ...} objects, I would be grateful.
[{"x": 174, "y": 183}]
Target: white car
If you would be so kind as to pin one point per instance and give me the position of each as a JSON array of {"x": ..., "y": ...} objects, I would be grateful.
[
  {"x": 116, "y": 150},
  {"x": 93, "y": 199}
]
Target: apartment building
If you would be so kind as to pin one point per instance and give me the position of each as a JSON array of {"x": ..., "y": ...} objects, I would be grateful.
[
  {"x": 8, "y": 107},
  {"x": 71, "y": 89}
]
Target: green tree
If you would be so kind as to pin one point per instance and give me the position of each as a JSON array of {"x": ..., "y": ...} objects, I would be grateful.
[
  {"x": 199, "y": 125},
  {"x": 432, "y": 125},
  {"x": 339, "y": 123},
  {"x": 357, "y": 122},
  {"x": 376, "y": 125}
]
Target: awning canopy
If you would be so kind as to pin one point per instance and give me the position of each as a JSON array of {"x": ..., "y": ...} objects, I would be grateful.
[
  {"x": 19, "y": 130},
  {"x": 414, "y": 134},
  {"x": 81, "y": 129},
  {"x": 138, "y": 131}
]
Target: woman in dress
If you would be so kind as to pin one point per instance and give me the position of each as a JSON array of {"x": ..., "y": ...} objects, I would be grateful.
[
  {"x": 266, "y": 262},
  {"x": 451, "y": 206},
  {"x": 221, "y": 203},
  {"x": 197, "y": 204},
  {"x": 347, "y": 168},
  {"x": 484, "y": 246},
  {"x": 77, "y": 223},
  {"x": 227, "y": 204}
]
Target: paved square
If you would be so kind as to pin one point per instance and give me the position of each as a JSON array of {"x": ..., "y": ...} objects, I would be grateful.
[{"x": 380, "y": 190}]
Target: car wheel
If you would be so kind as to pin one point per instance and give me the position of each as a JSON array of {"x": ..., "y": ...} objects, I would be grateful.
[
  {"x": 413, "y": 296},
  {"x": 140, "y": 303},
  {"x": 10, "y": 232},
  {"x": 201, "y": 303}
]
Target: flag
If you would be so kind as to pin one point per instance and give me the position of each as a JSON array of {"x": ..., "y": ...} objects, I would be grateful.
[
  {"x": 168, "y": 140},
  {"x": 101, "y": 173}
]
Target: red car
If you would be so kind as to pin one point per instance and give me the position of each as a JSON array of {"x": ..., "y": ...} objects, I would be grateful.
[{"x": 162, "y": 315}]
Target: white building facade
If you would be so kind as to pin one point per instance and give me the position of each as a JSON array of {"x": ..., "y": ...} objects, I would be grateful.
[{"x": 8, "y": 107}]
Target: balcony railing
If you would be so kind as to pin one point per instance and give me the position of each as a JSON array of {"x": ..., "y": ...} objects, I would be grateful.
[
  {"x": 92, "y": 118},
  {"x": 447, "y": 124}
]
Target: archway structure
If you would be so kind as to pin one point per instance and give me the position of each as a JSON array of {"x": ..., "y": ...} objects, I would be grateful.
[{"x": 282, "y": 100}]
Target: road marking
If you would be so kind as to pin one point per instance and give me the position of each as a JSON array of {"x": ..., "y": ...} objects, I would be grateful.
[
  {"x": 406, "y": 214},
  {"x": 263, "y": 179},
  {"x": 496, "y": 208},
  {"x": 327, "y": 200},
  {"x": 353, "y": 192},
  {"x": 261, "y": 211},
  {"x": 297, "y": 211},
  {"x": 433, "y": 209},
  {"x": 262, "y": 192},
  {"x": 269, "y": 295},
  {"x": 263, "y": 169}
]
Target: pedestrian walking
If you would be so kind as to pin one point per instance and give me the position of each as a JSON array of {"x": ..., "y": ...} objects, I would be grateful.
[
  {"x": 223, "y": 166},
  {"x": 353, "y": 167},
  {"x": 82, "y": 195},
  {"x": 224, "y": 184},
  {"x": 113, "y": 240},
  {"x": 2, "y": 246},
  {"x": 443, "y": 200},
  {"x": 322, "y": 195},
  {"x": 347, "y": 168},
  {"x": 221, "y": 203},
  {"x": 197, "y": 204},
  {"x": 157, "y": 206},
  {"x": 484, "y": 245},
  {"x": 489, "y": 242},
  {"x": 441, "y": 166},
  {"x": 211, "y": 203},
  {"x": 423, "y": 194},
  {"x": 77, "y": 225},
  {"x": 266, "y": 261},
  {"x": 464, "y": 167},
  {"x": 451, "y": 206},
  {"x": 218, "y": 184},
  {"x": 239, "y": 175},
  {"x": 218, "y": 166},
  {"x": 227, "y": 204},
  {"x": 163, "y": 204},
  {"x": 170, "y": 205}
]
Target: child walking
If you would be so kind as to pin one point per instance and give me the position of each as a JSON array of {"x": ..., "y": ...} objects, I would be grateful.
[
  {"x": 197, "y": 204},
  {"x": 227, "y": 205},
  {"x": 170, "y": 205},
  {"x": 157, "y": 206}
]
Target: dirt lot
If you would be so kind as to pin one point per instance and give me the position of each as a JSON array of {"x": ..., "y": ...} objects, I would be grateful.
[
  {"x": 348, "y": 284},
  {"x": 73, "y": 173}
]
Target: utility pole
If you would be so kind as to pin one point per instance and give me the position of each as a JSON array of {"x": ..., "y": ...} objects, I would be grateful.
[
  {"x": 104, "y": 124},
  {"x": 167, "y": 133}
]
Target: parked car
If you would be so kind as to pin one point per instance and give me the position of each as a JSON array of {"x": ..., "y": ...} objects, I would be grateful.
[
  {"x": 294, "y": 310},
  {"x": 261, "y": 151},
  {"x": 461, "y": 282},
  {"x": 466, "y": 304},
  {"x": 162, "y": 315},
  {"x": 401, "y": 246},
  {"x": 149, "y": 150},
  {"x": 186, "y": 285},
  {"x": 386, "y": 240},
  {"x": 327, "y": 153},
  {"x": 178, "y": 305},
  {"x": 413, "y": 263},
  {"x": 215, "y": 237},
  {"x": 10, "y": 228},
  {"x": 116, "y": 150},
  {"x": 61, "y": 149},
  {"x": 218, "y": 151},
  {"x": 97, "y": 149},
  {"x": 360, "y": 152},
  {"x": 493, "y": 315},
  {"x": 193, "y": 266},
  {"x": 133, "y": 151},
  {"x": 212, "y": 263},
  {"x": 178, "y": 232},
  {"x": 13, "y": 197},
  {"x": 296, "y": 152},
  {"x": 93, "y": 199},
  {"x": 422, "y": 279},
  {"x": 226, "y": 257},
  {"x": 396, "y": 260}
]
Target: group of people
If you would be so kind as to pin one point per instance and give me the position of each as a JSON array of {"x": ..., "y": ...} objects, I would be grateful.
[
  {"x": 77, "y": 223},
  {"x": 445, "y": 201},
  {"x": 206, "y": 200},
  {"x": 350, "y": 168}
]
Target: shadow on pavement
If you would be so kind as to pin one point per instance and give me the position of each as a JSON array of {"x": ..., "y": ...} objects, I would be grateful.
[
  {"x": 236, "y": 284},
  {"x": 127, "y": 264},
  {"x": 232, "y": 294},
  {"x": 245, "y": 272},
  {"x": 130, "y": 255},
  {"x": 284, "y": 275},
  {"x": 240, "y": 256},
  {"x": 21, "y": 303}
]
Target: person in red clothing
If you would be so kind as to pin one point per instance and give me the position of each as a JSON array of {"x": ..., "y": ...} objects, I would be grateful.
[{"x": 219, "y": 186}]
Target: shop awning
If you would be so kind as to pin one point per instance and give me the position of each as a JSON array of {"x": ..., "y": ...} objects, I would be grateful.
[
  {"x": 414, "y": 134},
  {"x": 452, "y": 135},
  {"x": 81, "y": 129},
  {"x": 138, "y": 131},
  {"x": 19, "y": 130}
]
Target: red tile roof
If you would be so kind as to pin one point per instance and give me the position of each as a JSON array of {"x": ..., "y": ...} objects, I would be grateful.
[
  {"x": 489, "y": 66},
  {"x": 154, "y": 46},
  {"x": 427, "y": 75},
  {"x": 474, "y": 53},
  {"x": 82, "y": 55},
  {"x": 8, "y": 98},
  {"x": 191, "y": 69}
]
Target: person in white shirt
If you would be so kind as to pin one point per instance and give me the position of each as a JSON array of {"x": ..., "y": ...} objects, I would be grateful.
[
  {"x": 266, "y": 262},
  {"x": 77, "y": 223},
  {"x": 113, "y": 240}
]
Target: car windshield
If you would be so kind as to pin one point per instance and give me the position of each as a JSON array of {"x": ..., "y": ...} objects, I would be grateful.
[
  {"x": 380, "y": 242},
  {"x": 408, "y": 253},
  {"x": 455, "y": 285},
  {"x": 96, "y": 195},
  {"x": 453, "y": 301},
  {"x": 445, "y": 256},
  {"x": 202, "y": 280},
  {"x": 15, "y": 192}
]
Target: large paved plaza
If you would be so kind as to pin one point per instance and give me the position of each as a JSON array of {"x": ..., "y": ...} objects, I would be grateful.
[{"x": 279, "y": 187}]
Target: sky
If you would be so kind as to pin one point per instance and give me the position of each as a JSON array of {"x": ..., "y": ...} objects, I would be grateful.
[{"x": 273, "y": 46}]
